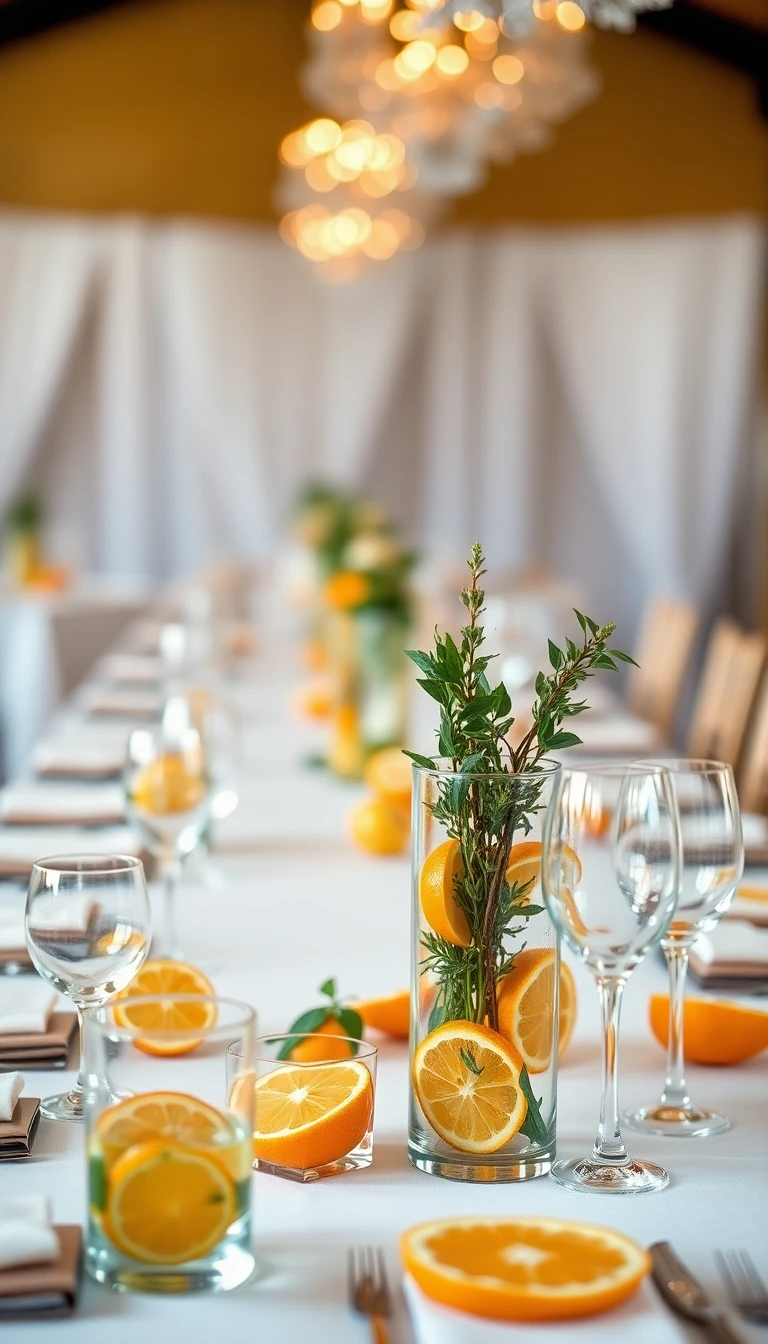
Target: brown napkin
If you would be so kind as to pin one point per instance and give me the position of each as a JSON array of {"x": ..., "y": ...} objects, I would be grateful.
[
  {"x": 44, "y": 1291},
  {"x": 40, "y": 1049},
  {"x": 16, "y": 956},
  {"x": 18, "y": 1134}
]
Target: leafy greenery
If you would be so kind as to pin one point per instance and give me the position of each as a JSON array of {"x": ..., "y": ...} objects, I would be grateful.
[
  {"x": 490, "y": 793},
  {"x": 348, "y": 1019}
]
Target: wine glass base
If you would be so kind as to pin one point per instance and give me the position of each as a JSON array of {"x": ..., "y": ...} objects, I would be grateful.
[
  {"x": 606, "y": 1178},
  {"x": 682, "y": 1122},
  {"x": 66, "y": 1106}
]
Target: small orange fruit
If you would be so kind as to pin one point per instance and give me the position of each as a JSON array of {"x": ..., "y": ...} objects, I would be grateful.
[
  {"x": 161, "y": 1020},
  {"x": 523, "y": 1269},
  {"x": 329, "y": 1041},
  {"x": 345, "y": 590},
  {"x": 391, "y": 1015},
  {"x": 378, "y": 828},
  {"x": 388, "y": 774},
  {"x": 170, "y": 784},
  {"x": 467, "y": 1080},
  {"x": 715, "y": 1032},
  {"x": 311, "y": 1114},
  {"x": 442, "y": 869}
]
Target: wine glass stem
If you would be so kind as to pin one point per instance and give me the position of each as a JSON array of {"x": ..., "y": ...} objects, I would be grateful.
[
  {"x": 76, "y": 1095},
  {"x": 675, "y": 1090},
  {"x": 609, "y": 1146}
]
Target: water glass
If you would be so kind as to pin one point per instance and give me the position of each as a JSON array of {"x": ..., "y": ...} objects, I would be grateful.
[
  {"x": 169, "y": 1165},
  {"x": 88, "y": 931},
  {"x": 611, "y": 880}
]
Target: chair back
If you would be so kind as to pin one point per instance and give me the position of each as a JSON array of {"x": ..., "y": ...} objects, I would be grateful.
[
  {"x": 753, "y": 779},
  {"x": 664, "y": 650},
  {"x": 726, "y": 694}
]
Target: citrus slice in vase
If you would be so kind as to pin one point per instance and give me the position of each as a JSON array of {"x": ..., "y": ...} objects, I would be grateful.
[{"x": 467, "y": 1081}]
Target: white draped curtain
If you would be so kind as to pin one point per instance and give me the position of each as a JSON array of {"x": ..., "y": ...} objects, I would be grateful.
[{"x": 580, "y": 399}]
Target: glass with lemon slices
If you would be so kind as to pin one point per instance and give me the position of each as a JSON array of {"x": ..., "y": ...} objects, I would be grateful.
[
  {"x": 169, "y": 1164},
  {"x": 489, "y": 998},
  {"x": 314, "y": 1098}
]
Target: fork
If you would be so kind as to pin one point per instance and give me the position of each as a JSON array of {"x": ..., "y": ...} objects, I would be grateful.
[
  {"x": 368, "y": 1289},
  {"x": 745, "y": 1286}
]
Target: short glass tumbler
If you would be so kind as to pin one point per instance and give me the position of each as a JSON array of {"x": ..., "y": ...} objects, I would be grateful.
[
  {"x": 314, "y": 1110},
  {"x": 169, "y": 1165},
  {"x": 485, "y": 977}
]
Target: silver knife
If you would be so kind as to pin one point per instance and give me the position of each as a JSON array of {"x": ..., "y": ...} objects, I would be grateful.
[{"x": 686, "y": 1296}]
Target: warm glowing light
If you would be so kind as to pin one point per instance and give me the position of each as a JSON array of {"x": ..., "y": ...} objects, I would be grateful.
[
  {"x": 350, "y": 4},
  {"x": 452, "y": 60},
  {"x": 322, "y": 136},
  {"x": 383, "y": 242},
  {"x": 318, "y": 176},
  {"x": 354, "y": 154},
  {"x": 404, "y": 25},
  {"x": 489, "y": 96},
  {"x": 388, "y": 77},
  {"x": 545, "y": 9},
  {"x": 326, "y": 16},
  {"x": 426, "y": 6},
  {"x": 570, "y": 16},
  {"x": 373, "y": 98},
  {"x": 416, "y": 58},
  {"x": 375, "y": 11},
  {"x": 293, "y": 151},
  {"x": 469, "y": 20},
  {"x": 481, "y": 50},
  {"x": 508, "y": 69}
]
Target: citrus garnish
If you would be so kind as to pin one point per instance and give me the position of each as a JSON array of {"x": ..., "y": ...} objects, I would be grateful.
[
  {"x": 388, "y": 774},
  {"x": 328, "y": 1041},
  {"x": 312, "y": 1114},
  {"x": 168, "y": 1204},
  {"x": 173, "y": 1116},
  {"x": 314, "y": 700},
  {"x": 523, "y": 1269},
  {"x": 467, "y": 1080},
  {"x": 170, "y": 784},
  {"x": 378, "y": 827},
  {"x": 526, "y": 1002},
  {"x": 524, "y": 868},
  {"x": 391, "y": 1014},
  {"x": 168, "y": 978},
  {"x": 442, "y": 869},
  {"x": 715, "y": 1032}
]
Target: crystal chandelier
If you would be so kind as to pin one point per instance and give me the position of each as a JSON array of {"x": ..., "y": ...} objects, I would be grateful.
[{"x": 515, "y": 17}]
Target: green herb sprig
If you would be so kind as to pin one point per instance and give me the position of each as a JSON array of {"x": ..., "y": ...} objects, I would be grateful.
[{"x": 334, "y": 1010}]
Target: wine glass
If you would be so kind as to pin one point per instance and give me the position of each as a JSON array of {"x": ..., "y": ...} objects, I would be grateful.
[
  {"x": 713, "y": 861},
  {"x": 168, "y": 796},
  {"x": 610, "y": 880},
  {"x": 88, "y": 928}
]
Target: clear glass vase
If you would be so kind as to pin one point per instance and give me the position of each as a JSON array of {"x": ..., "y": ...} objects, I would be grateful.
[
  {"x": 382, "y": 670},
  {"x": 485, "y": 977}
]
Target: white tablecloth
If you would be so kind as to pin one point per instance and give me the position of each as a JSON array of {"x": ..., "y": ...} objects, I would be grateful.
[{"x": 295, "y": 903}]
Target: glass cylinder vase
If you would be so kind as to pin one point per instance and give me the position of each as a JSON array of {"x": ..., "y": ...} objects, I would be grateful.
[
  {"x": 485, "y": 977},
  {"x": 382, "y": 674}
]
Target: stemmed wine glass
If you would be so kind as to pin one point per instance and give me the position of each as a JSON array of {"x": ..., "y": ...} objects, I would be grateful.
[
  {"x": 610, "y": 880},
  {"x": 168, "y": 795},
  {"x": 88, "y": 930},
  {"x": 713, "y": 861}
]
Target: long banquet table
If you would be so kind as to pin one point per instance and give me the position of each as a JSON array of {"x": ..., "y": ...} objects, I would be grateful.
[{"x": 289, "y": 902}]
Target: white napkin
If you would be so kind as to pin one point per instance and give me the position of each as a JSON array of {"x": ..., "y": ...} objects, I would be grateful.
[
  {"x": 113, "y": 700},
  {"x": 11, "y": 1088},
  {"x": 62, "y": 803},
  {"x": 130, "y": 668},
  {"x": 640, "y": 1319},
  {"x": 25, "y": 1006},
  {"x": 22, "y": 845},
  {"x": 12, "y": 935},
  {"x": 26, "y": 1234},
  {"x": 754, "y": 828},
  {"x": 734, "y": 942},
  {"x": 54, "y": 913}
]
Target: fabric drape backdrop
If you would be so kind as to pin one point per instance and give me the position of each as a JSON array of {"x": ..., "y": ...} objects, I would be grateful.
[{"x": 580, "y": 399}]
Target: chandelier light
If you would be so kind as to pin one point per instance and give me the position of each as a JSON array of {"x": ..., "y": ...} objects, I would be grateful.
[{"x": 515, "y": 17}]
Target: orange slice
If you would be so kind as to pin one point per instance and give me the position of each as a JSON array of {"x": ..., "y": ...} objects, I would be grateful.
[
  {"x": 467, "y": 1080},
  {"x": 715, "y": 1032},
  {"x": 170, "y": 784},
  {"x": 388, "y": 774},
  {"x": 523, "y": 1269},
  {"x": 526, "y": 1002},
  {"x": 158, "y": 976},
  {"x": 524, "y": 868},
  {"x": 329, "y": 1041},
  {"x": 175, "y": 1117},
  {"x": 312, "y": 1114},
  {"x": 437, "y": 893},
  {"x": 391, "y": 1015},
  {"x": 378, "y": 827},
  {"x": 568, "y": 1008},
  {"x": 167, "y": 1204}
]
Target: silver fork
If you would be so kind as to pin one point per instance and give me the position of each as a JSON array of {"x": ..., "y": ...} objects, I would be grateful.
[
  {"x": 745, "y": 1286},
  {"x": 368, "y": 1289}
]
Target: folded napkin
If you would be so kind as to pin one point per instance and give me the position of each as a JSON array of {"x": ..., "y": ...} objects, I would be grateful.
[
  {"x": 26, "y": 1234},
  {"x": 49, "y": 1049},
  {"x": 754, "y": 829},
  {"x": 25, "y": 1007},
  {"x": 112, "y": 702},
  {"x": 11, "y": 1088},
  {"x": 734, "y": 950},
  {"x": 12, "y": 936},
  {"x": 17, "y": 1135},
  {"x": 21, "y": 846},
  {"x": 750, "y": 903},
  {"x": 34, "y": 804},
  {"x": 45, "y": 1291},
  {"x": 131, "y": 669},
  {"x": 640, "y": 1319},
  {"x": 79, "y": 758}
]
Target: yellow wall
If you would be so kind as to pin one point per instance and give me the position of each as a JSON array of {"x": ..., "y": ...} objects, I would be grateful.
[{"x": 177, "y": 106}]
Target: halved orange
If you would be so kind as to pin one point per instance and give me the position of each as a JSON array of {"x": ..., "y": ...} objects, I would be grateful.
[
  {"x": 442, "y": 869},
  {"x": 328, "y": 1041},
  {"x": 568, "y": 1008},
  {"x": 312, "y": 1114},
  {"x": 524, "y": 868},
  {"x": 168, "y": 978},
  {"x": 523, "y": 1269},
  {"x": 467, "y": 1080},
  {"x": 390, "y": 1015},
  {"x": 167, "y": 1204},
  {"x": 525, "y": 1002},
  {"x": 715, "y": 1031},
  {"x": 168, "y": 1116},
  {"x": 388, "y": 774}
]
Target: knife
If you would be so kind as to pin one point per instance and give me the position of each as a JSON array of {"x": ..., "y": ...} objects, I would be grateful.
[{"x": 686, "y": 1296}]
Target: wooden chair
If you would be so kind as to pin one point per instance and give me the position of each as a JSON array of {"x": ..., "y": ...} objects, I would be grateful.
[
  {"x": 753, "y": 780},
  {"x": 726, "y": 693},
  {"x": 664, "y": 649}
]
